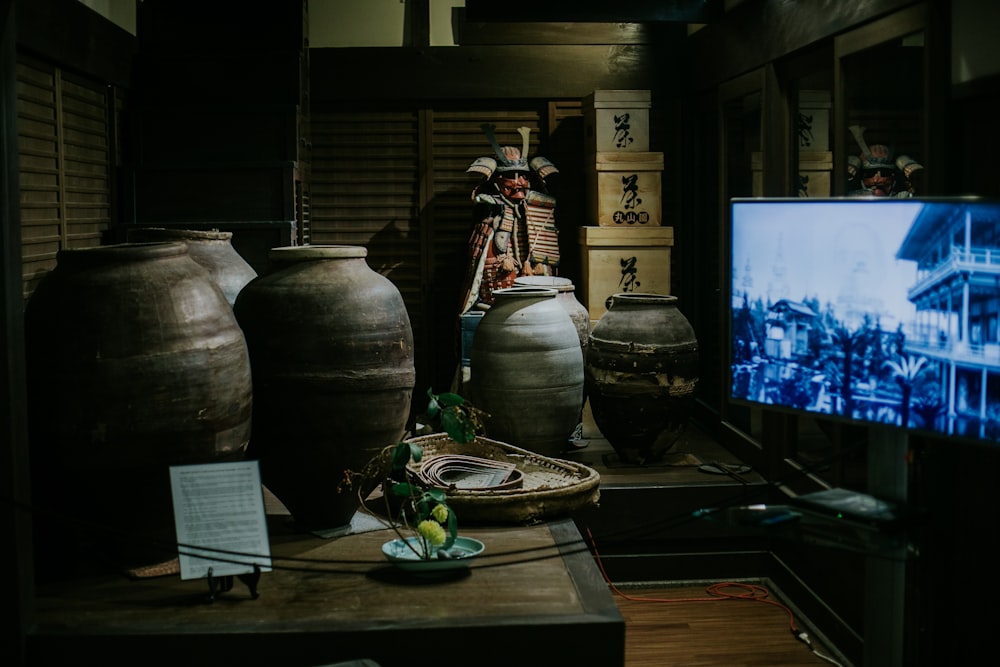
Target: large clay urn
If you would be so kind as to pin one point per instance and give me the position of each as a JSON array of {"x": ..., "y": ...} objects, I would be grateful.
[
  {"x": 332, "y": 355},
  {"x": 212, "y": 249},
  {"x": 135, "y": 363},
  {"x": 566, "y": 297},
  {"x": 527, "y": 370},
  {"x": 641, "y": 371}
]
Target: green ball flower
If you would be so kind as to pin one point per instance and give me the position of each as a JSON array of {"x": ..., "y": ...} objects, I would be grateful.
[
  {"x": 432, "y": 531},
  {"x": 440, "y": 513}
]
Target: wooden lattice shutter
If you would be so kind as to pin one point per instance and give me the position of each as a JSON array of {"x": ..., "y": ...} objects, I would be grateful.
[
  {"x": 560, "y": 110},
  {"x": 63, "y": 143},
  {"x": 364, "y": 190}
]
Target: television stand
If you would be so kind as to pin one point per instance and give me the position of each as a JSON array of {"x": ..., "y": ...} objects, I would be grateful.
[{"x": 885, "y": 575}]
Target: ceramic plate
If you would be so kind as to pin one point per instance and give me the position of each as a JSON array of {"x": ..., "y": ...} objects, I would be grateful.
[{"x": 464, "y": 549}]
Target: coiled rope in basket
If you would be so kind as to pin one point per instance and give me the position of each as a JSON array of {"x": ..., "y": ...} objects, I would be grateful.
[{"x": 550, "y": 487}]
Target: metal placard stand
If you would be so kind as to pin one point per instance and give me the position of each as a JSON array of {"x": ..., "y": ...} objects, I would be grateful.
[{"x": 221, "y": 524}]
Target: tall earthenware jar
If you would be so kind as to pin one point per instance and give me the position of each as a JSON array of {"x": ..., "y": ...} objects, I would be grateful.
[
  {"x": 332, "y": 354},
  {"x": 527, "y": 370},
  {"x": 641, "y": 371},
  {"x": 212, "y": 249},
  {"x": 135, "y": 363},
  {"x": 566, "y": 297}
]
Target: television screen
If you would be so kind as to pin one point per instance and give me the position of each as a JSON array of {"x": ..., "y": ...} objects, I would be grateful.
[{"x": 883, "y": 311}]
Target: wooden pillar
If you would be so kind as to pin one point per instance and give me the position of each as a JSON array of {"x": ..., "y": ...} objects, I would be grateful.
[{"x": 15, "y": 525}]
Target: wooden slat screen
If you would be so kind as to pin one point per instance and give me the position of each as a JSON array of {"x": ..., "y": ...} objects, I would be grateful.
[
  {"x": 560, "y": 110},
  {"x": 86, "y": 162},
  {"x": 63, "y": 137},
  {"x": 364, "y": 190},
  {"x": 38, "y": 146}
]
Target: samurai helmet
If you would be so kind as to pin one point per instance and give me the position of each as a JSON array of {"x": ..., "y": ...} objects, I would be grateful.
[
  {"x": 878, "y": 157},
  {"x": 508, "y": 159},
  {"x": 874, "y": 156}
]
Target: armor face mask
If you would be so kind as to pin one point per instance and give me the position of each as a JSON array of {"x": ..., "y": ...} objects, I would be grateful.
[
  {"x": 878, "y": 174},
  {"x": 513, "y": 185},
  {"x": 879, "y": 181}
]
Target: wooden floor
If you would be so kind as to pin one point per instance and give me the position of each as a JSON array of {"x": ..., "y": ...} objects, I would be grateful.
[
  {"x": 691, "y": 631},
  {"x": 694, "y": 629}
]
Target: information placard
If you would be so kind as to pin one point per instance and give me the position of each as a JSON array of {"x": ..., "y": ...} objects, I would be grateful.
[{"x": 220, "y": 519}]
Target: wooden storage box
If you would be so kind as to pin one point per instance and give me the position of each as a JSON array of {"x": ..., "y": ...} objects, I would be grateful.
[
  {"x": 616, "y": 121},
  {"x": 634, "y": 259},
  {"x": 813, "y": 121},
  {"x": 625, "y": 189},
  {"x": 815, "y": 168}
]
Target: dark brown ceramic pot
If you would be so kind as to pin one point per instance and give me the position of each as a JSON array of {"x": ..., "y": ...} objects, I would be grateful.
[
  {"x": 333, "y": 367},
  {"x": 212, "y": 249},
  {"x": 135, "y": 363},
  {"x": 641, "y": 370}
]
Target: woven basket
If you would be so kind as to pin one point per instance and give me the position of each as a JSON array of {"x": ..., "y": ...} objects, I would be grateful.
[{"x": 551, "y": 487}]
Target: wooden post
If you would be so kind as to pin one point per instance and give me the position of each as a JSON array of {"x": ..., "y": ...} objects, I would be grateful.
[{"x": 15, "y": 525}]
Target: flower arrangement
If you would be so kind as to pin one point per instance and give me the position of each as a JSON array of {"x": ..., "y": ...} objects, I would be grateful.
[{"x": 414, "y": 508}]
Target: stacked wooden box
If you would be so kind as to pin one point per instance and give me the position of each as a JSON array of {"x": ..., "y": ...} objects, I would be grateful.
[
  {"x": 815, "y": 156},
  {"x": 625, "y": 248},
  {"x": 813, "y": 138}
]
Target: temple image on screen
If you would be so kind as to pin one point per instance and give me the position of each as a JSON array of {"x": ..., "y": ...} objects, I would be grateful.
[{"x": 880, "y": 311}]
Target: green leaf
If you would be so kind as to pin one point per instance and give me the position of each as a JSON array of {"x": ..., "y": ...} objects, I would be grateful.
[
  {"x": 450, "y": 400},
  {"x": 437, "y": 495},
  {"x": 433, "y": 407},
  {"x": 403, "y": 489},
  {"x": 457, "y": 425},
  {"x": 402, "y": 454},
  {"x": 452, "y": 529},
  {"x": 422, "y": 507}
]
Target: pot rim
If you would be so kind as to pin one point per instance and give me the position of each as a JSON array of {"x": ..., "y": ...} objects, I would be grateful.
[
  {"x": 121, "y": 252},
  {"x": 179, "y": 233},
  {"x": 305, "y": 252},
  {"x": 644, "y": 297},
  {"x": 551, "y": 282},
  {"x": 525, "y": 291}
]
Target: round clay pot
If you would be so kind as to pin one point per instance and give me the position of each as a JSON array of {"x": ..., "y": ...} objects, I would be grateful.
[
  {"x": 641, "y": 370},
  {"x": 135, "y": 363},
  {"x": 212, "y": 249},
  {"x": 527, "y": 370},
  {"x": 332, "y": 354}
]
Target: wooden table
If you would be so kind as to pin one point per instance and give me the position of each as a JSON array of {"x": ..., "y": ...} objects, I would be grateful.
[{"x": 534, "y": 597}]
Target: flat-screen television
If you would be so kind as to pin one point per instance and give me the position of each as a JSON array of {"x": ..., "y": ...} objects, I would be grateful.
[{"x": 873, "y": 310}]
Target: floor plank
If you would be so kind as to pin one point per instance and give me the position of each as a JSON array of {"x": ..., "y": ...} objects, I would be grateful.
[{"x": 686, "y": 626}]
